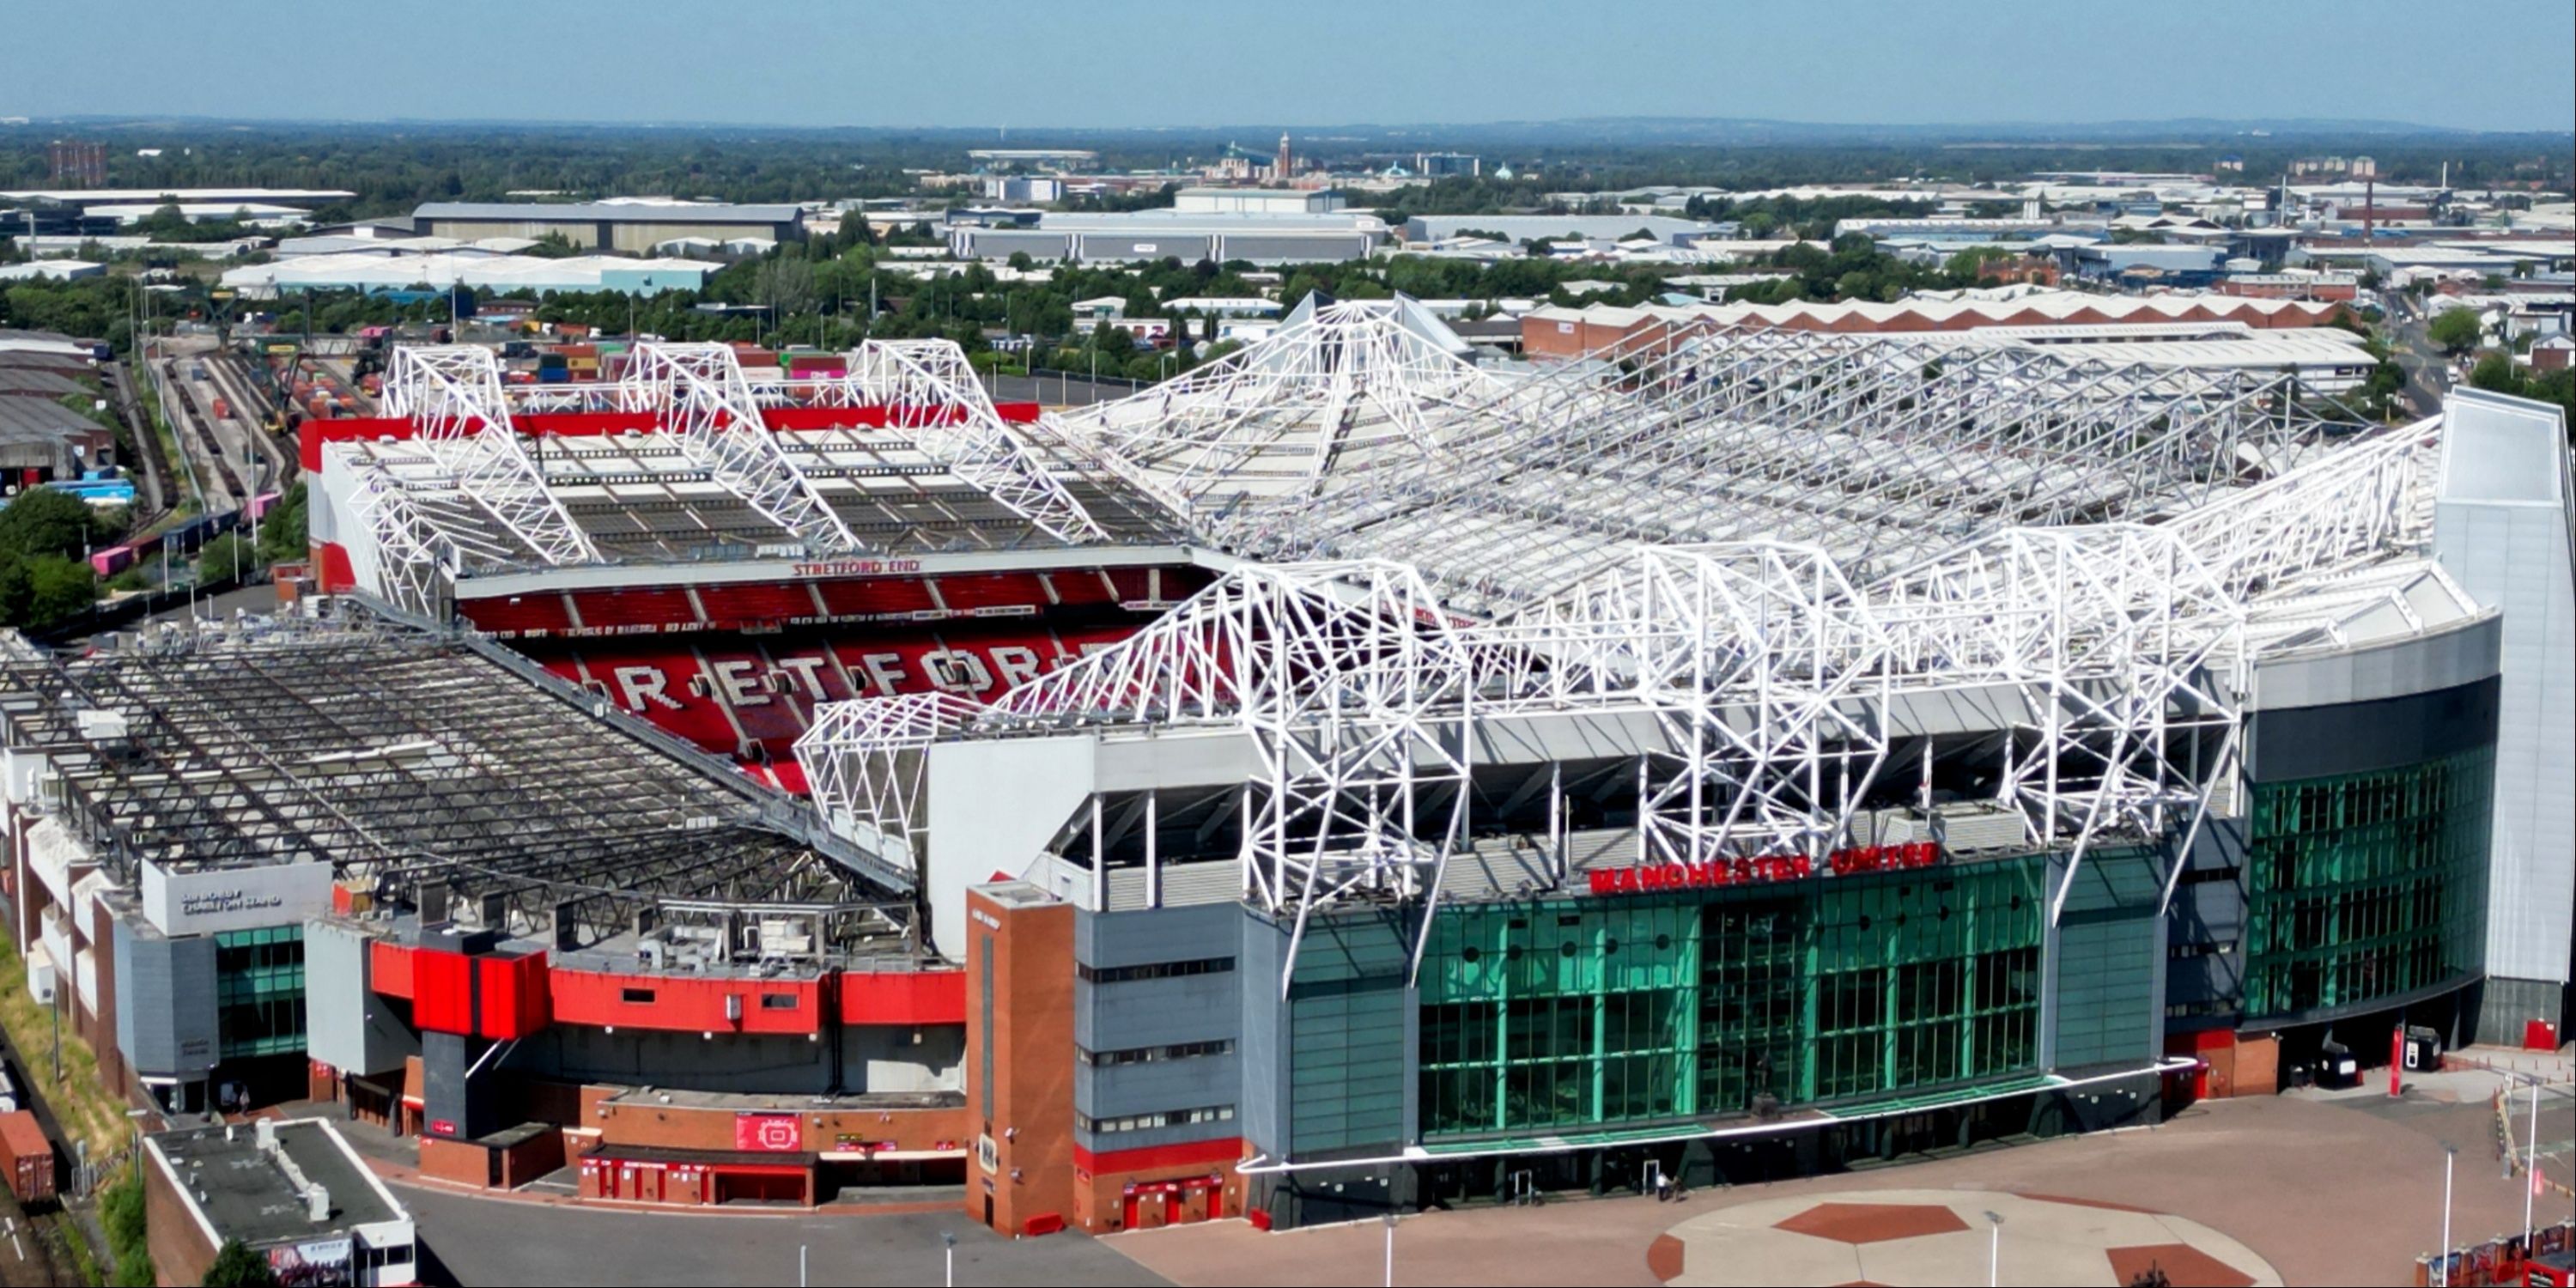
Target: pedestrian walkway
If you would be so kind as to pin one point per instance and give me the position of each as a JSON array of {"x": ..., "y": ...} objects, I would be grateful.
[{"x": 1900, "y": 1237}]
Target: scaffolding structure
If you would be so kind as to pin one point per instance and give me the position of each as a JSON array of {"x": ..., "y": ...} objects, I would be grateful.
[{"x": 422, "y": 773}]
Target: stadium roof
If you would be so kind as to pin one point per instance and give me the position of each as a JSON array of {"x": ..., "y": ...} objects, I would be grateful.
[
  {"x": 1352, "y": 433},
  {"x": 388, "y": 267},
  {"x": 640, "y": 212},
  {"x": 1356, "y": 429},
  {"x": 2017, "y": 309},
  {"x": 901, "y": 453},
  {"x": 408, "y": 761}
]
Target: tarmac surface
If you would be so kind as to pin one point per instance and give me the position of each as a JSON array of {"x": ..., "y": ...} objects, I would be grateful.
[{"x": 477, "y": 1240}]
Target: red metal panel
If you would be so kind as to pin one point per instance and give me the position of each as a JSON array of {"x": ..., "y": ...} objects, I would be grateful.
[
  {"x": 1199, "y": 1153},
  {"x": 677, "y": 1004},
  {"x": 338, "y": 575},
  {"x": 442, "y": 991},
  {"x": 514, "y": 996},
  {"x": 904, "y": 997},
  {"x": 389, "y": 969}
]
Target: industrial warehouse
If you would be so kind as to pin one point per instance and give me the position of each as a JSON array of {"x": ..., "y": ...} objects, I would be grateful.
[{"x": 1342, "y": 779}]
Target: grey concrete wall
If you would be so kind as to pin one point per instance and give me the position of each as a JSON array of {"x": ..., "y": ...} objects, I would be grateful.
[
  {"x": 166, "y": 1023},
  {"x": 2502, "y": 528},
  {"x": 346, "y": 1025}
]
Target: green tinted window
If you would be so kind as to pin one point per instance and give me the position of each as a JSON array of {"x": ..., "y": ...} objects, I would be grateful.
[
  {"x": 2366, "y": 886},
  {"x": 1578, "y": 1012}
]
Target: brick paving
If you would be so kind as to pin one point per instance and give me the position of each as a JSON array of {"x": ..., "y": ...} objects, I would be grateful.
[{"x": 2344, "y": 1191}]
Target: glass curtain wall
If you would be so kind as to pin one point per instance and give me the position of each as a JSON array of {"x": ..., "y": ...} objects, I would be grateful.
[
  {"x": 1582, "y": 1012},
  {"x": 2367, "y": 886}
]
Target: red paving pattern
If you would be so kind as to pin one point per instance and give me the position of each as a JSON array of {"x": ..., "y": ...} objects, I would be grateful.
[
  {"x": 2184, "y": 1265},
  {"x": 1664, "y": 1258},
  {"x": 1872, "y": 1222}
]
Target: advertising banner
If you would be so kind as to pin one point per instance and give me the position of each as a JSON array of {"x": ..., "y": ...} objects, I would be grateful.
[{"x": 768, "y": 1133}]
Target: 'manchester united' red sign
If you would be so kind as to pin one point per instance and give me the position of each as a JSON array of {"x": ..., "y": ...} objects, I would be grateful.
[{"x": 1648, "y": 878}]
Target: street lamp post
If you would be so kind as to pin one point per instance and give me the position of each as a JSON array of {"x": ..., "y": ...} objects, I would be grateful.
[
  {"x": 1994, "y": 1249},
  {"x": 2442, "y": 1256},
  {"x": 1390, "y": 1249}
]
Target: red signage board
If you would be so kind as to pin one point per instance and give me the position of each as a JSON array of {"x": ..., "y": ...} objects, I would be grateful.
[
  {"x": 1649, "y": 878},
  {"x": 768, "y": 1133}
]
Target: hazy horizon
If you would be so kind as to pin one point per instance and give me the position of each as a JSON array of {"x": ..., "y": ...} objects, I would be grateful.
[{"x": 2486, "y": 65}]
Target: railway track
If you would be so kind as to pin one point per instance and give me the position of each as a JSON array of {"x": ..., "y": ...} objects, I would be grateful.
[
  {"x": 222, "y": 484},
  {"x": 152, "y": 500},
  {"x": 256, "y": 406}
]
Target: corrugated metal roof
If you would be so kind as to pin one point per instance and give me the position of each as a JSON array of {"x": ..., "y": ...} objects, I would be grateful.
[{"x": 653, "y": 213}]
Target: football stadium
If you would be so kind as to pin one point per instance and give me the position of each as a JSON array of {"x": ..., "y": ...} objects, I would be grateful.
[{"x": 1347, "y": 778}]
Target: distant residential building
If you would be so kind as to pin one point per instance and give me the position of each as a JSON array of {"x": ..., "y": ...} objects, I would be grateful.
[
  {"x": 2553, "y": 353},
  {"x": 1441, "y": 165},
  {"x": 1041, "y": 189},
  {"x": 2292, "y": 286},
  {"x": 77, "y": 162}
]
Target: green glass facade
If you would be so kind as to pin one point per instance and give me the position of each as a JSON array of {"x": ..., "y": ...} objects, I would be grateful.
[
  {"x": 2363, "y": 887},
  {"x": 259, "y": 991},
  {"x": 1582, "y": 1012}
]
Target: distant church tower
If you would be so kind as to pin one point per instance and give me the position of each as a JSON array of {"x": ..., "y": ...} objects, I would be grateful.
[{"x": 1280, "y": 169}]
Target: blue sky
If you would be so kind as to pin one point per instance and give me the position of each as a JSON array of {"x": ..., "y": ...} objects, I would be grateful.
[{"x": 2485, "y": 64}]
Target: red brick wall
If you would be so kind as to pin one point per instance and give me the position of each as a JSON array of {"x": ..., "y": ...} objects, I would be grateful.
[
  {"x": 1030, "y": 952},
  {"x": 180, "y": 1252},
  {"x": 461, "y": 1161},
  {"x": 643, "y": 1122}
]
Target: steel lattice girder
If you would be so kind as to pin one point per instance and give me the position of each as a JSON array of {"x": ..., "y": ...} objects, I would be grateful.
[
  {"x": 1873, "y": 445},
  {"x": 710, "y": 409},
  {"x": 403, "y": 760},
  {"x": 454, "y": 393},
  {"x": 1340, "y": 385},
  {"x": 927, "y": 386},
  {"x": 864, "y": 764},
  {"x": 2128, "y": 644}
]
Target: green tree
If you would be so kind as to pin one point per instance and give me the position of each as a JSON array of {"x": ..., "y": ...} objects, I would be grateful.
[
  {"x": 60, "y": 589},
  {"x": 281, "y": 532},
  {"x": 227, "y": 558},
  {"x": 236, "y": 1266},
  {"x": 121, "y": 1211},
  {"x": 2456, "y": 330},
  {"x": 44, "y": 520}
]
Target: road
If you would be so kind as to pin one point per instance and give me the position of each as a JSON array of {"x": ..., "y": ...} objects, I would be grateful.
[
  {"x": 504, "y": 1241},
  {"x": 2424, "y": 365}
]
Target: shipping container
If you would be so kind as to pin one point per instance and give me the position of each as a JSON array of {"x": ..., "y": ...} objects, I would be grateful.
[
  {"x": 554, "y": 376},
  {"x": 26, "y": 1158}
]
